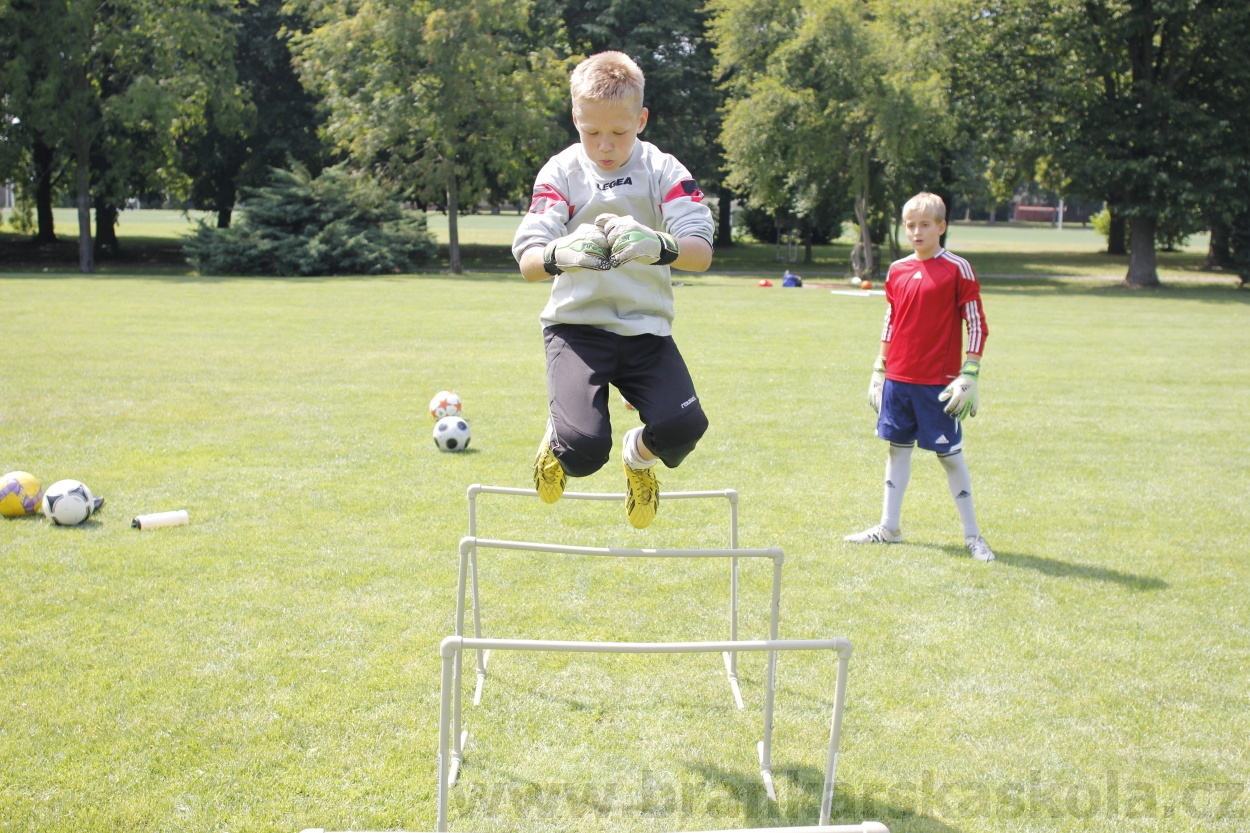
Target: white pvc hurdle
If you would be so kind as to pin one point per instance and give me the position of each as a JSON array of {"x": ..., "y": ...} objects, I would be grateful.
[
  {"x": 468, "y": 552},
  {"x": 730, "y": 495},
  {"x": 863, "y": 827},
  {"x": 454, "y": 646}
]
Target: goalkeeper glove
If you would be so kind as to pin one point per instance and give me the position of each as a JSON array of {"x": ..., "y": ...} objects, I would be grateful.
[
  {"x": 876, "y": 384},
  {"x": 585, "y": 248},
  {"x": 631, "y": 240},
  {"x": 962, "y": 392}
]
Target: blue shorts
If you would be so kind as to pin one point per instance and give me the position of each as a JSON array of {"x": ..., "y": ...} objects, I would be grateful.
[{"x": 912, "y": 413}]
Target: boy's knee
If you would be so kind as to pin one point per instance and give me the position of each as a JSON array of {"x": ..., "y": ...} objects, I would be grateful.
[
  {"x": 582, "y": 455},
  {"x": 673, "y": 439}
]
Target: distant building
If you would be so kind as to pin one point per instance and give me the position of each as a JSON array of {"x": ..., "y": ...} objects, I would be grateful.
[{"x": 6, "y": 195}]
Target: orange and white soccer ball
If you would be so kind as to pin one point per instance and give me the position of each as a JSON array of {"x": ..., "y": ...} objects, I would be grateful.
[{"x": 445, "y": 404}]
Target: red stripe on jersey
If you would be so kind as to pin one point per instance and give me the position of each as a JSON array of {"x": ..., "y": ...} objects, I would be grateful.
[
  {"x": 685, "y": 188},
  {"x": 545, "y": 197}
]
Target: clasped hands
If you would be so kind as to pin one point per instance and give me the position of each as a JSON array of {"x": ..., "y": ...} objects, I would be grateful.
[{"x": 607, "y": 243}]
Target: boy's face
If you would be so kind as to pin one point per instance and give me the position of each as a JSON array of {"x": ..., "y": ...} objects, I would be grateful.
[
  {"x": 608, "y": 131},
  {"x": 924, "y": 233}
]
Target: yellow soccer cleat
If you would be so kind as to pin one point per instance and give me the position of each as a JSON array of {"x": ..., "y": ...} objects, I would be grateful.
[
  {"x": 643, "y": 496},
  {"x": 548, "y": 473}
]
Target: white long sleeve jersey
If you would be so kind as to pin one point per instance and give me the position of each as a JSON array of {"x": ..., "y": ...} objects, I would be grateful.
[{"x": 652, "y": 187}]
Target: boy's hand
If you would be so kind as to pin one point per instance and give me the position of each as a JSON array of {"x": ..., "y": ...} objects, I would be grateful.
[
  {"x": 631, "y": 240},
  {"x": 962, "y": 392},
  {"x": 876, "y": 384},
  {"x": 586, "y": 248}
]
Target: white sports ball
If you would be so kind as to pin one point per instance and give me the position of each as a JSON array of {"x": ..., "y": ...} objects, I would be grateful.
[
  {"x": 451, "y": 433},
  {"x": 445, "y": 404},
  {"x": 68, "y": 502}
]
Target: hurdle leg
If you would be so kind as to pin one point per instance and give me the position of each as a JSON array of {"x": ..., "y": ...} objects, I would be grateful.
[
  {"x": 835, "y": 736},
  {"x": 765, "y": 747},
  {"x": 731, "y": 657},
  {"x": 444, "y": 731},
  {"x": 483, "y": 656}
]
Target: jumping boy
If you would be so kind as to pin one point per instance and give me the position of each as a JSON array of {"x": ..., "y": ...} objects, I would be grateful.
[
  {"x": 927, "y": 295},
  {"x": 609, "y": 217}
]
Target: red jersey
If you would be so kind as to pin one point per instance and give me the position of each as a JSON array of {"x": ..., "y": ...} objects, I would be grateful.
[{"x": 925, "y": 302}]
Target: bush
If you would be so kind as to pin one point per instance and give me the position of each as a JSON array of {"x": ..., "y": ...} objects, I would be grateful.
[
  {"x": 339, "y": 223},
  {"x": 761, "y": 225}
]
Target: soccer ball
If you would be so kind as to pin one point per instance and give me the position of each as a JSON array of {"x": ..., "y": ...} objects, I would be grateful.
[
  {"x": 68, "y": 502},
  {"x": 445, "y": 404},
  {"x": 452, "y": 434},
  {"x": 20, "y": 494}
]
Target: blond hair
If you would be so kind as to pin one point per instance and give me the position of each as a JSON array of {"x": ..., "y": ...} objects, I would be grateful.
[
  {"x": 927, "y": 204},
  {"x": 610, "y": 77}
]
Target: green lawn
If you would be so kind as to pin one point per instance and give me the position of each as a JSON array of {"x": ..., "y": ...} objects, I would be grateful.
[
  {"x": 274, "y": 665},
  {"x": 149, "y": 239}
]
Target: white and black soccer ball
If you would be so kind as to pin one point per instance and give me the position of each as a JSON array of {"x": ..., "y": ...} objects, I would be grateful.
[
  {"x": 444, "y": 404},
  {"x": 68, "y": 502},
  {"x": 451, "y": 434}
]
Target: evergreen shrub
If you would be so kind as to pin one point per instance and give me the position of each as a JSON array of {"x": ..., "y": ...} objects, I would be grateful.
[{"x": 337, "y": 223}]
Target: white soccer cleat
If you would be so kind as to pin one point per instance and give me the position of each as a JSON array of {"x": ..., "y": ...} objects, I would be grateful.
[
  {"x": 876, "y": 535},
  {"x": 978, "y": 549}
]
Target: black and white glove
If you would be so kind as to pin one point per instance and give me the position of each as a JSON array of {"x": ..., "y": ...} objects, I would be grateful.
[
  {"x": 629, "y": 240},
  {"x": 585, "y": 248},
  {"x": 962, "y": 392}
]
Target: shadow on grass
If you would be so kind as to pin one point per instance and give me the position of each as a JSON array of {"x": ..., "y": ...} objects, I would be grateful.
[
  {"x": 1059, "y": 569},
  {"x": 1214, "y": 291},
  {"x": 742, "y": 797}
]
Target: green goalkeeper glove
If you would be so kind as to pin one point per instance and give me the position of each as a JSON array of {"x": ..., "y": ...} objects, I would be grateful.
[
  {"x": 962, "y": 392},
  {"x": 586, "y": 248},
  {"x": 876, "y": 384},
  {"x": 631, "y": 240}
]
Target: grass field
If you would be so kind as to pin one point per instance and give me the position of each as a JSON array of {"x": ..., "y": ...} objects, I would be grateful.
[
  {"x": 149, "y": 240},
  {"x": 274, "y": 665}
]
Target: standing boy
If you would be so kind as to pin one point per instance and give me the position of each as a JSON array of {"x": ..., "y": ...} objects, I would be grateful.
[
  {"x": 927, "y": 295},
  {"x": 609, "y": 216}
]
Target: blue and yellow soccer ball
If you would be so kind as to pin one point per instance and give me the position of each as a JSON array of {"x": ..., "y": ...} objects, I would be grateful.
[{"x": 20, "y": 494}]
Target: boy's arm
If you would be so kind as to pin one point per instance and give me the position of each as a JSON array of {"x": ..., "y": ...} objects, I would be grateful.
[
  {"x": 532, "y": 268},
  {"x": 695, "y": 254}
]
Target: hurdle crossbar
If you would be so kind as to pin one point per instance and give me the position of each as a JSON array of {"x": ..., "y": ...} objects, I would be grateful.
[
  {"x": 455, "y": 645},
  {"x": 729, "y": 495},
  {"x": 469, "y": 546},
  {"x": 863, "y": 827}
]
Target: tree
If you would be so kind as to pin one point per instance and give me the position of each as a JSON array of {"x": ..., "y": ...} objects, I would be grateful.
[
  {"x": 1135, "y": 100},
  {"x": 267, "y": 122},
  {"x": 32, "y": 120},
  {"x": 828, "y": 106},
  {"x": 108, "y": 85},
  {"x": 443, "y": 98}
]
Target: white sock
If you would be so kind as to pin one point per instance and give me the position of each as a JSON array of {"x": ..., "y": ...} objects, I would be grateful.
[
  {"x": 629, "y": 451},
  {"x": 897, "y": 476},
  {"x": 960, "y": 482}
]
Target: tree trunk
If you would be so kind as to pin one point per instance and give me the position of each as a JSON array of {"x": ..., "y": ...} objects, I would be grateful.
[
  {"x": 1115, "y": 237},
  {"x": 43, "y": 157},
  {"x": 807, "y": 241},
  {"x": 1219, "y": 254},
  {"x": 223, "y": 217},
  {"x": 453, "y": 235},
  {"x": 86, "y": 258},
  {"x": 106, "y": 245},
  {"x": 724, "y": 224},
  {"x": 1141, "y": 258}
]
